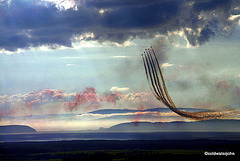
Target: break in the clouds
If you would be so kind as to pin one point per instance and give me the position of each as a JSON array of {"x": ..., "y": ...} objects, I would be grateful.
[{"x": 53, "y": 23}]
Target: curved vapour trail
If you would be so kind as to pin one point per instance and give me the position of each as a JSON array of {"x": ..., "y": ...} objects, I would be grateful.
[{"x": 157, "y": 85}]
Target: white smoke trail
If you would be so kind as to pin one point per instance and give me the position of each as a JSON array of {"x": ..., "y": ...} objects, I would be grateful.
[{"x": 158, "y": 87}]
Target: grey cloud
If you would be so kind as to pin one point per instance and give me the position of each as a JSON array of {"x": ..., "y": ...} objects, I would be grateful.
[
  {"x": 25, "y": 24},
  {"x": 121, "y": 3}
]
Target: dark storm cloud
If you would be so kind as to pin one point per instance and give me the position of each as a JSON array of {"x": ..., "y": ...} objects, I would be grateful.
[
  {"x": 140, "y": 17},
  {"x": 212, "y": 4},
  {"x": 25, "y": 24},
  {"x": 117, "y": 4}
]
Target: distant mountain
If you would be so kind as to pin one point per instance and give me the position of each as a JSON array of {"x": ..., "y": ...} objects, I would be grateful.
[
  {"x": 103, "y": 112},
  {"x": 16, "y": 129},
  {"x": 112, "y": 111},
  {"x": 125, "y": 114},
  {"x": 207, "y": 125},
  {"x": 159, "y": 109},
  {"x": 134, "y": 117}
]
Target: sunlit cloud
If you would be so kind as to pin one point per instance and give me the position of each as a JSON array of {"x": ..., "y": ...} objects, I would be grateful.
[
  {"x": 73, "y": 57},
  {"x": 66, "y": 4},
  {"x": 94, "y": 116},
  {"x": 234, "y": 17},
  {"x": 165, "y": 65},
  {"x": 120, "y": 57},
  {"x": 115, "y": 89},
  {"x": 72, "y": 65}
]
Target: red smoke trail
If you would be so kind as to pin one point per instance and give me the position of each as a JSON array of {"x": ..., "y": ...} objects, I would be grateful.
[
  {"x": 237, "y": 91},
  {"x": 223, "y": 85},
  {"x": 139, "y": 113},
  {"x": 59, "y": 94},
  {"x": 88, "y": 95},
  {"x": 34, "y": 98},
  {"x": 45, "y": 93},
  {"x": 111, "y": 98}
]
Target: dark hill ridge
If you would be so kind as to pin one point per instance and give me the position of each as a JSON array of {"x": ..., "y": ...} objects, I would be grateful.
[
  {"x": 159, "y": 109},
  {"x": 16, "y": 129},
  {"x": 207, "y": 125}
]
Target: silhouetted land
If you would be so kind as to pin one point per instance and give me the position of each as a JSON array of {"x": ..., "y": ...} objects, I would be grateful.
[
  {"x": 118, "y": 149},
  {"x": 110, "y": 145},
  {"x": 206, "y": 125},
  {"x": 16, "y": 129}
]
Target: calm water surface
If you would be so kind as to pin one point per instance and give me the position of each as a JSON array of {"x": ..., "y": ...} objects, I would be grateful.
[{"x": 62, "y": 136}]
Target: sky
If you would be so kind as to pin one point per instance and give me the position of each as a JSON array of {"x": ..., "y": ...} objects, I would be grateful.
[{"x": 62, "y": 59}]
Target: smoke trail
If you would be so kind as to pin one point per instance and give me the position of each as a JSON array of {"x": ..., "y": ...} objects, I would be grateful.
[
  {"x": 89, "y": 96},
  {"x": 139, "y": 112},
  {"x": 158, "y": 87}
]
